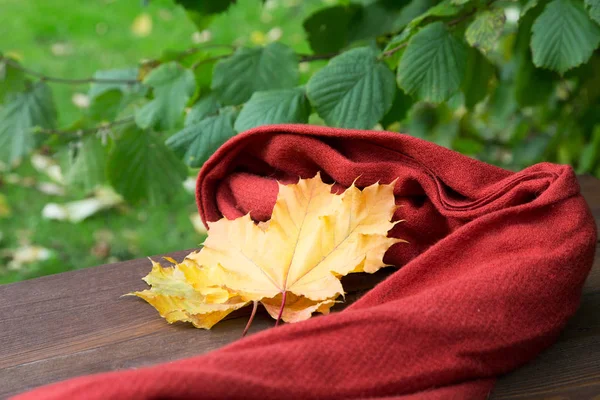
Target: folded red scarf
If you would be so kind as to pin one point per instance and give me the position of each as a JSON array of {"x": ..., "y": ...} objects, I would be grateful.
[{"x": 494, "y": 269}]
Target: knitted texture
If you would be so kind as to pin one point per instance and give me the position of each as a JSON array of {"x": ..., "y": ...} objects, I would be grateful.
[{"x": 494, "y": 267}]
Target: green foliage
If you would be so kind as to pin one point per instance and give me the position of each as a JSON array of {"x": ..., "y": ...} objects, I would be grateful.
[
  {"x": 328, "y": 30},
  {"x": 446, "y": 8},
  {"x": 203, "y": 108},
  {"x": 251, "y": 70},
  {"x": 88, "y": 167},
  {"x": 197, "y": 141},
  {"x": 173, "y": 86},
  {"x": 433, "y": 65},
  {"x": 206, "y": 7},
  {"x": 456, "y": 72},
  {"x": 112, "y": 78},
  {"x": 480, "y": 71},
  {"x": 19, "y": 118},
  {"x": 140, "y": 167},
  {"x": 12, "y": 79},
  {"x": 528, "y": 5},
  {"x": 563, "y": 36},
  {"x": 594, "y": 9},
  {"x": 485, "y": 30},
  {"x": 273, "y": 107},
  {"x": 354, "y": 90}
]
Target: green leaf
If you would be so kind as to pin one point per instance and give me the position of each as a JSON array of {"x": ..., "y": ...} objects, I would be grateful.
[
  {"x": 394, "y": 50},
  {"x": 204, "y": 65},
  {"x": 485, "y": 30},
  {"x": 202, "y": 12},
  {"x": 20, "y": 116},
  {"x": 532, "y": 85},
  {"x": 173, "y": 86},
  {"x": 107, "y": 100},
  {"x": 502, "y": 104},
  {"x": 354, "y": 90},
  {"x": 593, "y": 7},
  {"x": 398, "y": 40},
  {"x": 105, "y": 106},
  {"x": 328, "y": 29},
  {"x": 88, "y": 169},
  {"x": 203, "y": 108},
  {"x": 376, "y": 19},
  {"x": 205, "y": 6},
  {"x": 590, "y": 154},
  {"x": 433, "y": 65},
  {"x": 251, "y": 70},
  {"x": 400, "y": 106},
  {"x": 273, "y": 107},
  {"x": 529, "y": 4},
  {"x": 414, "y": 9},
  {"x": 141, "y": 167},
  {"x": 128, "y": 74},
  {"x": 480, "y": 72},
  {"x": 563, "y": 36},
  {"x": 12, "y": 79},
  {"x": 197, "y": 142},
  {"x": 446, "y": 8},
  {"x": 459, "y": 2}
]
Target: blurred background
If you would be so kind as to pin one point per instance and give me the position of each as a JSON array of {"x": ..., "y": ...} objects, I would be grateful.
[
  {"x": 507, "y": 111},
  {"x": 71, "y": 39}
]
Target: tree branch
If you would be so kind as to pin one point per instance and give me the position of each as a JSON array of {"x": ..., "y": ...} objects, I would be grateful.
[
  {"x": 43, "y": 77},
  {"x": 87, "y": 130},
  {"x": 193, "y": 50},
  {"x": 394, "y": 50},
  {"x": 207, "y": 60},
  {"x": 83, "y": 81}
]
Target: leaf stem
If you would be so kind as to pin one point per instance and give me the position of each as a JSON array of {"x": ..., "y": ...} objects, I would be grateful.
[
  {"x": 283, "y": 298},
  {"x": 254, "y": 308},
  {"x": 193, "y": 50},
  {"x": 87, "y": 130},
  {"x": 81, "y": 81},
  {"x": 207, "y": 60},
  {"x": 394, "y": 50}
]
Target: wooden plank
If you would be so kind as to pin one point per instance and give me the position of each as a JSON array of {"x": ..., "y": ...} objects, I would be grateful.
[{"x": 75, "y": 323}]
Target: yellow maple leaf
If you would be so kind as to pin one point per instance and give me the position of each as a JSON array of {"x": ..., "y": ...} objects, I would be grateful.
[
  {"x": 186, "y": 293},
  {"x": 292, "y": 264}
]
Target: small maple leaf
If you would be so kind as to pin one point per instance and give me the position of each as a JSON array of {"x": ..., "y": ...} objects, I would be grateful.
[{"x": 291, "y": 264}]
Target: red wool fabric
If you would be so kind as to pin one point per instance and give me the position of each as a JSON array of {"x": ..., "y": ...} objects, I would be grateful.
[{"x": 494, "y": 268}]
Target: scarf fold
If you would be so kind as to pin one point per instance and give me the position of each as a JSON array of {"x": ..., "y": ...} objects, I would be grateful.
[{"x": 494, "y": 269}]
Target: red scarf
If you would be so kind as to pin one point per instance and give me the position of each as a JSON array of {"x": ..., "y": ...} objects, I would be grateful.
[{"x": 494, "y": 269}]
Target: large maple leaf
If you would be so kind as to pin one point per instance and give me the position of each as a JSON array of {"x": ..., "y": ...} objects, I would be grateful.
[{"x": 291, "y": 264}]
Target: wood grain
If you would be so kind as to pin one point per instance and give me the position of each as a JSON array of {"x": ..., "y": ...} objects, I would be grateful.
[{"x": 75, "y": 323}]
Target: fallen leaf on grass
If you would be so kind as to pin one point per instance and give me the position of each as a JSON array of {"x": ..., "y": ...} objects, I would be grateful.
[
  {"x": 76, "y": 211},
  {"x": 142, "y": 25},
  {"x": 292, "y": 264}
]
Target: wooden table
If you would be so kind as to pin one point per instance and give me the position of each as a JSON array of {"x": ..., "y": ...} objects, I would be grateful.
[{"x": 75, "y": 323}]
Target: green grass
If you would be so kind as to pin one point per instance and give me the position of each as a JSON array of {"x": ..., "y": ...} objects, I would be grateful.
[
  {"x": 73, "y": 39},
  {"x": 118, "y": 234},
  {"x": 69, "y": 38}
]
